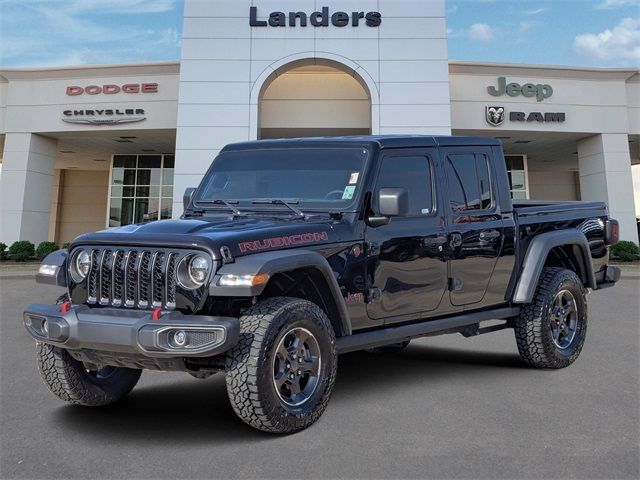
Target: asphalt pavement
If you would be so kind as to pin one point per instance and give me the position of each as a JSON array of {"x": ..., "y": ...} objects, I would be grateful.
[{"x": 446, "y": 407}]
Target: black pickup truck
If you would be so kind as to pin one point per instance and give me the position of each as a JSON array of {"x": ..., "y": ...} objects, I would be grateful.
[{"x": 291, "y": 252}]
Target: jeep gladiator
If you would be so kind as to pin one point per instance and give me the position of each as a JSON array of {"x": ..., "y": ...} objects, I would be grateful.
[{"x": 291, "y": 252}]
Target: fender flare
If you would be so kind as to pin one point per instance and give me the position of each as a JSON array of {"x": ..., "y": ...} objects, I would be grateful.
[
  {"x": 275, "y": 262},
  {"x": 537, "y": 252},
  {"x": 55, "y": 259}
]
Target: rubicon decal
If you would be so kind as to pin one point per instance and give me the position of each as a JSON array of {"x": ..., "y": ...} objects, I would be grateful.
[
  {"x": 278, "y": 242},
  {"x": 105, "y": 116}
]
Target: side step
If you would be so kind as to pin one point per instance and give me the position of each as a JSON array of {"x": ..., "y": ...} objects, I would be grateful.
[{"x": 386, "y": 336}]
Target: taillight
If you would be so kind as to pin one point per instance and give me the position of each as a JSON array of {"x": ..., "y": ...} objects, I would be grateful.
[{"x": 611, "y": 232}]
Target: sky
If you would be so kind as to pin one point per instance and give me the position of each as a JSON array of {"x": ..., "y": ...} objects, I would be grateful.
[{"x": 42, "y": 33}]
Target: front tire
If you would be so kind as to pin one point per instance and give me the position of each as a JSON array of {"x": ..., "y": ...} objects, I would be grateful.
[
  {"x": 69, "y": 380},
  {"x": 550, "y": 331},
  {"x": 281, "y": 373}
]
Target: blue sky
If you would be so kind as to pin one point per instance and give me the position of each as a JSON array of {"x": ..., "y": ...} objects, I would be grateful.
[{"x": 560, "y": 32}]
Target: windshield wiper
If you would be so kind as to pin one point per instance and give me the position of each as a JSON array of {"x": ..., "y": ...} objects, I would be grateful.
[
  {"x": 278, "y": 201},
  {"x": 224, "y": 203}
]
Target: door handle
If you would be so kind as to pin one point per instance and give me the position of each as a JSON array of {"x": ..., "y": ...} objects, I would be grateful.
[
  {"x": 431, "y": 242},
  {"x": 489, "y": 234}
]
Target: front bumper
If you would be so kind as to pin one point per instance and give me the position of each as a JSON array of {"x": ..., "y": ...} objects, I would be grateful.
[{"x": 132, "y": 331}]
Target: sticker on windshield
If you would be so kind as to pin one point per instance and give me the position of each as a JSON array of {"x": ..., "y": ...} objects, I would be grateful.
[
  {"x": 353, "y": 178},
  {"x": 348, "y": 193}
]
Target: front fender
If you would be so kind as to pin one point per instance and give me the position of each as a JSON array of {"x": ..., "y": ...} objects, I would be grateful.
[
  {"x": 537, "y": 253},
  {"x": 272, "y": 263}
]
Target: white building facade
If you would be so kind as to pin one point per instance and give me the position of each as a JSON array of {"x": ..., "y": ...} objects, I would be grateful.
[{"x": 91, "y": 147}]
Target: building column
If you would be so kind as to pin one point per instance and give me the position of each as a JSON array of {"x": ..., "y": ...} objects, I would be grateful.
[
  {"x": 26, "y": 186},
  {"x": 605, "y": 175}
]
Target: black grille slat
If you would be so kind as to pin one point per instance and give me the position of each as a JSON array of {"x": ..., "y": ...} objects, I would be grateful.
[
  {"x": 92, "y": 278},
  {"x": 118, "y": 279},
  {"x": 171, "y": 280},
  {"x": 144, "y": 279},
  {"x": 106, "y": 265},
  {"x": 131, "y": 279},
  {"x": 158, "y": 280}
]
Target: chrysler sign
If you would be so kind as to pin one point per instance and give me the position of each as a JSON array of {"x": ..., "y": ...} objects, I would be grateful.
[{"x": 104, "y": 116}]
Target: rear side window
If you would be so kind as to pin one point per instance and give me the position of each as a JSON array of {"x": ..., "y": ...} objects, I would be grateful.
[
  {"x": 412, "y": 173},
  {"x": 469, "y": 182}
]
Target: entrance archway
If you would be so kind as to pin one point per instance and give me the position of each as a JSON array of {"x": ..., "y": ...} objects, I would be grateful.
[{"x": 314, "y": 97}]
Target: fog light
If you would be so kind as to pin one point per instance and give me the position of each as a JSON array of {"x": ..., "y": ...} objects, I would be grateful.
[
  {"x": 45, "y": 327},
  {"x": 180, "y": 338}
]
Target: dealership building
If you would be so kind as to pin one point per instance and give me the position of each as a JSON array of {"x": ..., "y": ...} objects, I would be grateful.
[{"x": 85, "y": 148}]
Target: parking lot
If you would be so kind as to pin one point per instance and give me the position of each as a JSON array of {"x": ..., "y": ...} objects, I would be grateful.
[{"x": 446, "y": 407}]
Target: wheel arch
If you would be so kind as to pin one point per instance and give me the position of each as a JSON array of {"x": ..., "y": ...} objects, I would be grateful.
[
  {"x": 307, "y": 268},
  {"x": 565, "y": 248}
]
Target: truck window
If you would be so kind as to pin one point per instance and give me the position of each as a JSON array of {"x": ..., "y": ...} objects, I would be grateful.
[
  {"x": 469, "y": 182},
  {"x": 412, "y": 173}
]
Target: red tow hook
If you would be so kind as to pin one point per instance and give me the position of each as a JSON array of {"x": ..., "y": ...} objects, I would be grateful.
[
  {"x": 65, "y": 307},
  {"x": 157, "y": 313}
]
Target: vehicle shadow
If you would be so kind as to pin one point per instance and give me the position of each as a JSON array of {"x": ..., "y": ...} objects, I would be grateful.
[{"x": 198, "y": 411}]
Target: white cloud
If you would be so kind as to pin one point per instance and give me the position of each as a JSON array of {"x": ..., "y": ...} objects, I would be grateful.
[
  {"x": 622, "y": 43},
  {"x": 611, "y": 4},
  {"x": 481, "y": 32},
  {"x": 536, "y": 11}
]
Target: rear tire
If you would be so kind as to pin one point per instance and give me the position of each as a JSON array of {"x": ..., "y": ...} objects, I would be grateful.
[
  {"x": 389, "y": 349},
  {"x": 281, "y": 373},
  {"x": 550, "y": 331},
  {"x": 70, "y": 381}
]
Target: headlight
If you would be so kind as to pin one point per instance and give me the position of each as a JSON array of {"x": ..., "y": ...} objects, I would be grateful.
[
  {"x": 80, "y": 266},
  {"x": 193, "y": 271}
]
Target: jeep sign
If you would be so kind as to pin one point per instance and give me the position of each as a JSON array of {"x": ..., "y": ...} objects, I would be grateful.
[{"x": 514, "y": 89}]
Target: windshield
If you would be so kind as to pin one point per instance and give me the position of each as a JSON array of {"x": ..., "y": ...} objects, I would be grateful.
[{"x": 315, "y": 178}]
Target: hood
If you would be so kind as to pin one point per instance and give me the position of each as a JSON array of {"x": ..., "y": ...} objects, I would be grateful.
[{"x": 242, "y": 236}]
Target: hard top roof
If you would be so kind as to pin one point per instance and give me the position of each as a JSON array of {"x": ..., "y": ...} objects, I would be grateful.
[{"x": 380, "y": 141}]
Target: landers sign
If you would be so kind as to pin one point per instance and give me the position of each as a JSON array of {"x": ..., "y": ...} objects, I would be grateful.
[{"x": 317, "y": 19}]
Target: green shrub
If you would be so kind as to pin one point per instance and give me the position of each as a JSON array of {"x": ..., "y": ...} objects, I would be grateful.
[
  {"x": 45, "y": 248},
  {"x": 22, "y": 250},
  {"x": 3, "y": 251},
  {"x": 625, "y": 251},
  {"x": 66, "y": 245}
]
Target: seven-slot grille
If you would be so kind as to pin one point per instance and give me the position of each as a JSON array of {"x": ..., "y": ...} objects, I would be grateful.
[{"x": 133, "y": 278}]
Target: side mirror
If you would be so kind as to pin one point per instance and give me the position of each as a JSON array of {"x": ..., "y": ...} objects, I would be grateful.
[
  {"x": 188, "y": 195},
  {"x": 393, "y": 202}
]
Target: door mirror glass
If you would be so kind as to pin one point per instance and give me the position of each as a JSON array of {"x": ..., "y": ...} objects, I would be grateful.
[
  {"x": 393, "y": 202},
  {"x": 188, "y": 195}
]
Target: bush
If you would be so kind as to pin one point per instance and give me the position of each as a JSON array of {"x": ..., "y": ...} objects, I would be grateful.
[
  {"x": 3, "y": 251},
  {"x": 625, "y": 251},
  {"x": 22, "y": 250},
  {"x": 45, "y": 248},
  {"x": 66, "y": 245}
]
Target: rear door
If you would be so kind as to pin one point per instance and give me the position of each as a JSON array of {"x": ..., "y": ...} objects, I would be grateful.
[
  {"x": 474, "y": 223},
  {"x": 407, "y": 264}
]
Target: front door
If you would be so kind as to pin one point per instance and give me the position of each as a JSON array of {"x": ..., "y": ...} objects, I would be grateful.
[
  {"x": 475, "y": 223},
  {"x": 407, "y": 265}
]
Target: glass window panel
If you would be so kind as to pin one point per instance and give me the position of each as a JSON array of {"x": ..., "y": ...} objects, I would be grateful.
[
  {"x": 167, "y": 191},
  {"x": 515, "y": 162},
  {"x": 146, "y": 209},
  {"x": 462, "y": 178},
  {"x": 121, "y": 212},
  {"x": 167, "y": 176},
  {"x": 169, "y": 161},
  {"x": 519, "y": 195},
  {"x": 485, "y": 183},
  {"x": 117, "y": 191},
  {"x": 149, "y": 161},
  {"x": 149, "y": 177},
  {"x": 147, "y": 192},
  {"x": 166, "y": 208},
  {"x": 517, "y": 180},
  {"x": 121, "y": 176},
  {"x": 124, "y": 161},
  {"x": 412, "y": 173}
]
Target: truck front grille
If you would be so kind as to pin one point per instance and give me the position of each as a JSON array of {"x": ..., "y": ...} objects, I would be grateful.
[{"x": 133, "y": 278}]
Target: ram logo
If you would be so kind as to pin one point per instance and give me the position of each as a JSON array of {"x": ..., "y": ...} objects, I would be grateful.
[{"x": 495, "y": 115}]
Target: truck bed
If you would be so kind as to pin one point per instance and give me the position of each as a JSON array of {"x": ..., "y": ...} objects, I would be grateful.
[{"x": 535, "y": 211}]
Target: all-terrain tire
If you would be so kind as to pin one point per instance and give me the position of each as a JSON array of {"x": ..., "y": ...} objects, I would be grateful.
[
  {"x": 389, "y": 349},
  {"x": 251, "y": 364},
  {"x": 70, "y": 381},
  {"x": 533, "y": 328}
]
